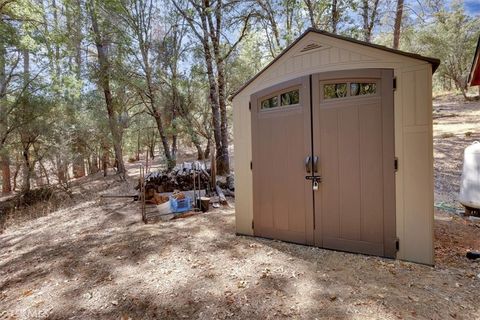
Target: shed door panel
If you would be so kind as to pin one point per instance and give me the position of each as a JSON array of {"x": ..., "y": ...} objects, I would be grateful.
[
  {"x": 353, "y": 137},
  {"x": 281, "y": 140}
]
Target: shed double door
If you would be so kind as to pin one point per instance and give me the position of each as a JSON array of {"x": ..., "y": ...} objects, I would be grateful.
[{"x": 323, "y": 161}]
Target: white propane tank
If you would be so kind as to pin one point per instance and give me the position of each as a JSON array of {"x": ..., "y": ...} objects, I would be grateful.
[{"x": 470, "y": 184}]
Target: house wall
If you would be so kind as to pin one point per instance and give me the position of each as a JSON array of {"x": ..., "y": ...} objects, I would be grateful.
[{"x": 413, "y": 133}]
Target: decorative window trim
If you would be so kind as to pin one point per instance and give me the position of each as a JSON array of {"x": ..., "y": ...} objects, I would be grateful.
[
  {"x": 278, "y": 96},
  {"x": 367, "y": 83}
]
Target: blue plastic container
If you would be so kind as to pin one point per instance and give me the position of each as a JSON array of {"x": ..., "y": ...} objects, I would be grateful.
[{"x": 181, "y": 205}]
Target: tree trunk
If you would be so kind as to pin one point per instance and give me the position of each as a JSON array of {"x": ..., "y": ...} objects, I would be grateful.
[
  {"x": 223, "y": 159},
  {"x": 369, "y": 17},
  {"x": 24, "y": 138},
  {"x": 213, "y": 173},
  {"x": 366, "y": 33},
  {"x": 105, "y": 160},
  {"x": 398, "y": 24},
  {"x": 6, "y": 176},
  {"x": 175, "y": 105},
  {"x": 207, "y": 149},
  {"x": 4, "y": 158},
  {"x": 151, "y": 146},
  {"x": 335, "y": 16},
  {"x": 137, "y": 157},
  {"x": 200, "y": 154},
  {"x": 311, "y": 13},
  {"x": 102, "y": 54},
  {"x": 44, "y": 171},
  {"x": 26, "y": 172},
  {"x": 15, "y": 173},
  {"x": 94, "y": 163},
  {"x": 62, "y": 169},
  {"x": 79, "y": 162},
  {"x": 151, "y": 93},
  {"x": 79, "y": 167}
]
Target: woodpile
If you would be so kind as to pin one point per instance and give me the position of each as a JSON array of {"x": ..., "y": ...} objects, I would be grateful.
[{"x": 180, "y": 178}]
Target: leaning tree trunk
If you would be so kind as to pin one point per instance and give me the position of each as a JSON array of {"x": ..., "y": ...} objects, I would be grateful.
[
  {"x": 159, "y": 122},
  {"x": 157, "y": 114},
  {"x": 103, "y": 61}
]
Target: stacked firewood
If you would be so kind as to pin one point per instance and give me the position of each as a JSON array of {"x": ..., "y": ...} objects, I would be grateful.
[{"x": 180, "y": 178}]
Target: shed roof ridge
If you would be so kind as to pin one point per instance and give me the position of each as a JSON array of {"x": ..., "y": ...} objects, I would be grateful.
[{"x": 433, "y": 61}]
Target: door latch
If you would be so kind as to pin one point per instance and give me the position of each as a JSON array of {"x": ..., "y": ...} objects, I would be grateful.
[{"x": 316, "y": 181}]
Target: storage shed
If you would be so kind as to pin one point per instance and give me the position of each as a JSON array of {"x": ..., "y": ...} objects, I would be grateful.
[{"x": 333, "y": 148}]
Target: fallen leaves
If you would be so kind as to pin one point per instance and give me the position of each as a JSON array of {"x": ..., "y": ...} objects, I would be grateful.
[{"x": 27, "y": 293}]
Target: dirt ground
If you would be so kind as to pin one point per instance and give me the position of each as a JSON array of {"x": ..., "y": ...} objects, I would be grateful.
[
  {"x": 456, "y": 124},
  {"x": 95, "y": 259}
]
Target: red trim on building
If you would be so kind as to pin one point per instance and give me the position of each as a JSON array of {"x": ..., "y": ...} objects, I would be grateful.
[{"x": 474, "y": 78}]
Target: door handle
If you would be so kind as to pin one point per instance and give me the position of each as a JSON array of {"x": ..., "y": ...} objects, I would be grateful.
[
  {"x": 315, "y": 164},
  {"x": 308, "y": 162}
]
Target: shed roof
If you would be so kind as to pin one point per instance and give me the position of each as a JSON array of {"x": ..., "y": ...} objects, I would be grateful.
[
  {"x": 433, "y": 61},
  {"x": 474, "y": 77}
]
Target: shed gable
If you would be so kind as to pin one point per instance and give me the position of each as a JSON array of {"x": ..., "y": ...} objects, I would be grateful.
[
  {"x": 316, "y": 51},
  {"x": 319, "y": 51}
]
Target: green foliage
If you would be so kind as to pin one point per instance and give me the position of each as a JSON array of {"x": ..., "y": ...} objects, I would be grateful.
[{"x": 452, "y": 38}]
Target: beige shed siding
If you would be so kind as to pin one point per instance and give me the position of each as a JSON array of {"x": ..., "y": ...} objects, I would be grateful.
[
  {"x": 415, "y": 178},
  {"x": 413, "y": 133},
  {"x": 243, "y": 155}
]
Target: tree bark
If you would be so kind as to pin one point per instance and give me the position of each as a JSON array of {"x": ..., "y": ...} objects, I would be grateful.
[
  {"x": 15, "y": 173},
  {"x": 6, "y": 175},
  {"x": 137, "y": 156},
  {"x": 311, "y": 13},
  {"x": 102, "y": 55},
  {"x": 62, "y": 169},
  {"x": 207, "y": 149},
  {"x": 26, "y": 172},
  {"x": 223, "y": 159},
  {"x": 44, "y": 171},
  {"x": 398, "y": 24},
  {"x": 24, "y": 138},
  {"x": 5, "y": 160},
  {"x": 79, "y": 167},
  {"x": 210, "y": 33},
  {"x": 94, "y": 163},
  {"x": 175, "y": 107},
  {"x": 105, "y": 160},
  {"x": 369, "y": 16},
  {"x": 335, "y": 16},
  {"x": 79, "y": 162}
]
